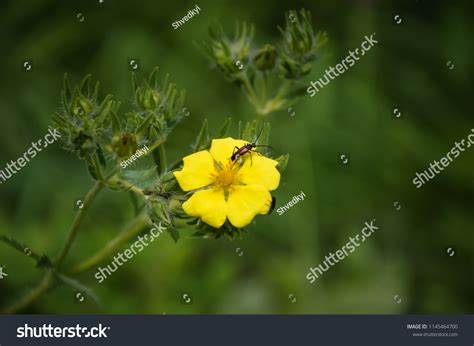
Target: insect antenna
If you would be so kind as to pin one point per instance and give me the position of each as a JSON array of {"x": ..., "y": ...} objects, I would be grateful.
[
  {"x": 261, "y": 130},
  {"x": 267, "y": 146}
]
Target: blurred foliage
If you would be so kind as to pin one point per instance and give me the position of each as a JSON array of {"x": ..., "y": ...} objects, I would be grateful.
[
  {"x": 267, "y": 87},
  {"x": 353, "y": 115}
]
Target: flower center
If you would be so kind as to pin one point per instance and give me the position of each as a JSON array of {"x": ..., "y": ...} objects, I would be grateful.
[{"x": 226, "y": 177}]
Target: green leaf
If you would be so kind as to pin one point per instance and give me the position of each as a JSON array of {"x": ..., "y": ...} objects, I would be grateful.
[
  {"x": 21, "y": 248},
  {"x": 76, "y": 285},
  {"x": 159, "y": 157},
  {"x": 265, "y": 134},
  {"x": 95, "y": 95},
  {"x": 321, "y": 39},
  {"x": 142, "y": 129},
  {"x": 140, "y": 177},
  {"x": 224, "y": 129},
  {"x": 153, "y": 79},
  {"x": 95, "y": 165},
  {"x": 84, "y": 87},
  {"x": 174, "y": 233},
  {"x": 282, "y": 162},
  {"x": 202, "y": 139},
  {"x": 134, "y": 83},
  {"x": 135, "y": 202},
  {"x": 105, "y": 108},
  {"x": 66, "y": 93},
  {"x": 116, "y": 128}
]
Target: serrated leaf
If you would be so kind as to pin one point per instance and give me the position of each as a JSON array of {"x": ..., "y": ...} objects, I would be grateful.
[{"x": 142, "y": 178}]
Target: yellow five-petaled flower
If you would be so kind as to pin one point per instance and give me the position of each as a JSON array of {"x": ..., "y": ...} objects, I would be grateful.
[{"x": 227, "y": 189}]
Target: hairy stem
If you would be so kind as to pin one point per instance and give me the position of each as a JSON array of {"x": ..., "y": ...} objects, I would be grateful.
[
  {"x": 33, "y": 295},
  {"x": 48, "y": 280},
  {"x": 155, "y": 145},
  {"x": 115, "y": 180},
  {"x": 90, "y": 196},
  {"x": 160, "y": 159},
  {"x": 134, "y": 228}
]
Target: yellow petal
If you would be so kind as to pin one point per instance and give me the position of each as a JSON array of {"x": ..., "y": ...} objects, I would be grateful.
[
  {"x": 222, "y": 149},
  {"x": 260, "y": 170},
  {"x": 245, "y": 202},
  {"x": 198, "y": 171},
  {"x": 209, "y": 205}
]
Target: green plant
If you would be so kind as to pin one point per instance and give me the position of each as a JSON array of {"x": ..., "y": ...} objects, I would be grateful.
[
  {"x": 270, "y": 76},
  {"x": 95, "y": 131}
]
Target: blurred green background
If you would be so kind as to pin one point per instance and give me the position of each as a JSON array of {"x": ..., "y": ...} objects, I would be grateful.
[{"x": 354, "y": 115}]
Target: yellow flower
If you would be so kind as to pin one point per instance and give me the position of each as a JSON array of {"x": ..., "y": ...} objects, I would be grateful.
[{"x": 227, "y": 189}]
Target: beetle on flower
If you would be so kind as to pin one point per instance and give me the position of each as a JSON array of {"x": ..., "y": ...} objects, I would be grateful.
[{"x": 225, "y": 189}]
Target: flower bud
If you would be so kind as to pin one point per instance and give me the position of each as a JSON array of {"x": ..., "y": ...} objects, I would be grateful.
[
  {"x": 158, "y": 210},
  {"x": 81, "y": 106},
  {"x": 265, "y": 57},
  {"x": 125, "y": 145},
  {"x": 148, "y": 98}
]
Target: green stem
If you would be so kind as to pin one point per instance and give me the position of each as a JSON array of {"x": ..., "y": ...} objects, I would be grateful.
[
  {"x": 155, "y": 145},
  {"x": 276, "y": 102},
  {"x": 48, "y": 280},
  {"x": 131, "y": 231},
  {"x": 160, "y": 159},
  {"x": 250, "y": 91},
  {"x": 38, "y": 291},
  {"x": 90, "y": 196},
  {"x": 265, "y": 86},
  {"x": 283, "y": 89},
  {"x": 115, "y": 180}
]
